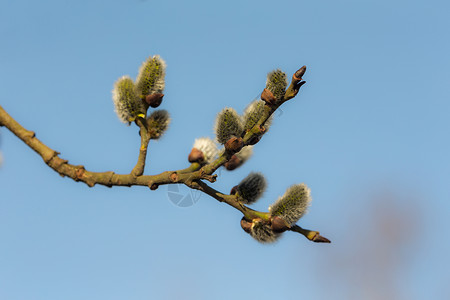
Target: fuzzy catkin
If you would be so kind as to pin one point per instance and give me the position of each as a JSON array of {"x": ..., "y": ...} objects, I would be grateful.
[
  {"x": 251, "y": 188},
  {"x": 277, "y": 83},
  {"x": 157, "y": 123},
  {"x": 151, "y": 75},
  {"x": 293, "y": 204},
  {"x": 127, "y": 103},
  {"x": 245, "y": 153},
  {"x": 228, "y": 124},
  {"x": 253, "y": 113},
  {"x": 208, "y": 147},
  {"x": 262, "y": 232}
]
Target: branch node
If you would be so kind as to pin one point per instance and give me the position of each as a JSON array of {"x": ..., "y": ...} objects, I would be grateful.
[
  {"x": 58, "y": 162},
  {"x": 174, "y": 177},
  {"x": 79, "y": 173},
  {"x": 48, "y": 158},
  {"x": 210, "y": 178},
  {"x": 30, "y": 134}
]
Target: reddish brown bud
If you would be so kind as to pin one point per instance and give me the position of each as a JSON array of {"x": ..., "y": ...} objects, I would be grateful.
[
  {"x": 233, "y": 190},
  {"x": 154, "y": 186},
  {"x": 196, "y": 156},
  {"x": 234, "y": 144},
  {"x": 233, "y": 163},
  {"x": 154, "y": 100},
  {"x": 279, "y": 225},
  {"x": 268, "y": 97},
  {"x": 298, "y": 75},
  {"x": 320, "y": 239},
  {"x": 247, "y": 226}
]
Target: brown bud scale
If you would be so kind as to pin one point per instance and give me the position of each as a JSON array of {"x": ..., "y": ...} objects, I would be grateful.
[
  {"x": 196, "y": 156},
  {"x": 233, "y": 163},
  {"x": 154, "y": 100},
  {"x": 247, "y": 226},
  {"x": 234, "y": 190},
  {"x": 268, "y": 97},
  {"x": 278, "y": 224},
  {"x": 234, "y": 144}
]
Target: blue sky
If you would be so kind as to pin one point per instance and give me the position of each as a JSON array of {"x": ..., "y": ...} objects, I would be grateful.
[{"x": 368, "y": 134}]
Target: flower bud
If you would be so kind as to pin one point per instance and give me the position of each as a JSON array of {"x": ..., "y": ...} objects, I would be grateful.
[
  {"x": 157, "y": 123},
  {"x": 253, "y": 113},
  {"x": 150, "y": 79},
  {"x": 251, "y": 188},
  {"x": 196, "y": 156},
  {"x": 277, "y": 83},
  {"x": 154, "y": 100},
  {"x": 262, "y": 232},
  {"x": 228, "y": 124},
  {"x": 297, "y": 77},
  {"x": 278, "y": 224},
  {"x": 234, "y": 144},
  {"x": 203, "y": 151},
  {"x": 247, "y": 226},
  {"x": 239, "y": 158},
  {"x": 128, "y": 105},
  {"x": 293, "y": 204}
]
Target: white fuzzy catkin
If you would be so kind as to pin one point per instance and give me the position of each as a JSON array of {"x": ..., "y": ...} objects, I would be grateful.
[
  {"x": 293, "y": 204},
  {"x": 127, "y": 103},
  {"x": 228, "y": 124},
  {"x": 245, "y": 153},
  {"x": 208, "y": 147},
  {"x": 251, "y": 188},
  {"x": 151, "y": 75}
]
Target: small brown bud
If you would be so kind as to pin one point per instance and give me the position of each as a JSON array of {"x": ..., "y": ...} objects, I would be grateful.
[
  {"x": 268, "y": 97},
  {"x": 298, "y": 75},
  {"x": 233, "y": 163},
  {"x": 234, "y": 144},
  {"x": 196, "y": 156},
  {"x": 247, "y": 226},
  {"x": 154, "y": 186},
  {"x": 233, "y": 190},
  {"x": 154, "y": 100},
  {"x": 279, "y": 225},
  {"x": 321, "y": 239}
]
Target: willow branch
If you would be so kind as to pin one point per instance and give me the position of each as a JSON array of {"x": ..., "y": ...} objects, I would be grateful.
[
  {"x": 231, "y": 200},
  {"x": 191, "y": 176},
  {"x": 109, "y": 179},
  {"x": 138, "y": 170}
]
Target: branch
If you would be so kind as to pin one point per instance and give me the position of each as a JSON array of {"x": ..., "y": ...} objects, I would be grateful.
[
  {"x": 231, "y": 200},
  {"x": 191, "y": 176},
  {"x": 109, "y": 179},
  {"x": 138, "y": 170}
]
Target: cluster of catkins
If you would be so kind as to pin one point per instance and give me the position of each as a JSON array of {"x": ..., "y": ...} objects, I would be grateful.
[
  {"x": 229, "y": 127},
  {"x": 132, "y": 99}
]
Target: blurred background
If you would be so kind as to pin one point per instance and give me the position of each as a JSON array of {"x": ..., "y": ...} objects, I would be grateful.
[{"x": 368, "y": 134}]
